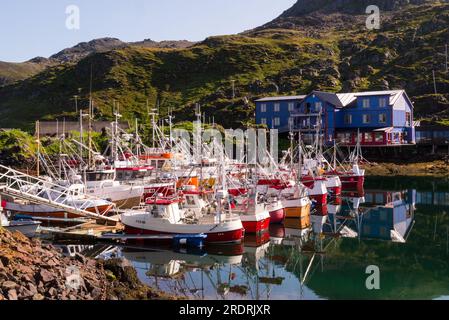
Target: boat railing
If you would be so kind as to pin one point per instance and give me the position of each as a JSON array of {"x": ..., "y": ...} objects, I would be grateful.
[{"x": 41, "y": 191}]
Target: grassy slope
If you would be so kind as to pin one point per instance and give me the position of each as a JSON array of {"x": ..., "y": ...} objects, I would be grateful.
[
  {"x": 264, "y": 62},
  {"x": 11, "y": 72}
]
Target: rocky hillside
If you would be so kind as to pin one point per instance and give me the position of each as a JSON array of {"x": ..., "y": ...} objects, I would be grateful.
[
  {"x": 318, "y": 44},
  {"x": 304, "y": 7},
  {"x": 30, "y": 270},
  {"x": 12, "y": 72}
]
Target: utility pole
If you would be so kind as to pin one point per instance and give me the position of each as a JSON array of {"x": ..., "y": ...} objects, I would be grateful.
[{"x": 76, "y": 103}]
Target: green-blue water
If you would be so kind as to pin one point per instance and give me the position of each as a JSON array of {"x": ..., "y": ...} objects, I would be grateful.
[{"x": 400, "y": 225}]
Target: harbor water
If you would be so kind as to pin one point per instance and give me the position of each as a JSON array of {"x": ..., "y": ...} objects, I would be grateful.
[{"x": 387, "y": 241}]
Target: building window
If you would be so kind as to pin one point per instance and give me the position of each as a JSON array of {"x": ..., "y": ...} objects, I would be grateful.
[
  {"x": 291, "y": 106},
  {"x": 382, "y": 118},
  {"x": 277, "y": 122},
  {"x": 366, "y": 118},
  {"x": 379, "y": 137},
  {"x": 263, "y": 121},
  {"x": 368, "y": 137},
  {"x": 347, "y": 138},
  {"x": 277, "y": 107},
  {"x": 348, "y": 119},
  {"x": 307, "y": 108},
  {"x": 408, "y": 119},
  {"x": 263, "y": 107},
  {"x": 382, "y": 102},
  {"x": 366, "y": 103},
  {"x": 318, "y": 107}
]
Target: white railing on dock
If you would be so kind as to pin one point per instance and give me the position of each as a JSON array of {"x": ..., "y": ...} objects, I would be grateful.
[{"x": 39, "y": 191}]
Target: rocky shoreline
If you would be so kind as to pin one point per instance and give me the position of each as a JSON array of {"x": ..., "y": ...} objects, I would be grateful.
[
  {"x": 438, "y": 169},
  {"x": 32, "y": 270}
]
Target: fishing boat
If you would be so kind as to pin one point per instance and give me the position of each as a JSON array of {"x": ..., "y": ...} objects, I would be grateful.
[
  {"x": 164, "y": 217},
  {"x": 296, "y": 203},
  {"x": 73, "y": 195},
  {"x": 333, "y": 185},
  {"x": 101, "y": 183},
  {"x": 316, "y": 188},
  {"x": 351, "y": 180},
  {"x": 276, "y": 209},
  {"x": 28, "y": 228},
  {"x": 254, "y": 214}
]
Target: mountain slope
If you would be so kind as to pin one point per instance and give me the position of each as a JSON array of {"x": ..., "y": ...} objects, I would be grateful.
[
  {"x": 12, "y": 72},
  {"x": 304, "y": 49},
  {"x": 304, "y": 7}
]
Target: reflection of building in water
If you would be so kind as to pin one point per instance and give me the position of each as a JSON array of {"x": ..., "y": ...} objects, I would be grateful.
[
  {"x": 385, "y": 215},
  {"x": 432, "y": 198}
]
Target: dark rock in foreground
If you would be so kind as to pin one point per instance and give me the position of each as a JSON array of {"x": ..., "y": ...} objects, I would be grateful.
[{"x": 30, "y": 270}]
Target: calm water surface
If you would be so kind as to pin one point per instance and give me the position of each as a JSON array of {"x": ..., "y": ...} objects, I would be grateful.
[{"x": 400, "y": 225}]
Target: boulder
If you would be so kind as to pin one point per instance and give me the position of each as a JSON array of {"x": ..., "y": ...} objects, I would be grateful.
[
  {"x": 9, "y": 285},
  {"x": 38, "y": 297},
  {"x": 46, "y": 276},
  {"x": 12, "y": 295}
]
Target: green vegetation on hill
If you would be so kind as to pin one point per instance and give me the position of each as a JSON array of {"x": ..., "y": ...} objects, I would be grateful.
[
  {"x": 11, "y": 72},
  {"x": 292, "y": 55}
]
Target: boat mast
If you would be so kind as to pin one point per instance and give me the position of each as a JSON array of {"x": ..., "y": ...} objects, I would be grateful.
[
  {"x": 292, "y": 137},
  {"x": 137, "y": 139},
  {"x": 81, "y": 137},
  {"x": 38, "y": 148},
  {"x": 335, "y": 155},
  {"x": 170, "y": 123},
  {"x": 90, "y": 115},
  {"x": 299, "y": 157},
  {"x": 153, "y": 114}
]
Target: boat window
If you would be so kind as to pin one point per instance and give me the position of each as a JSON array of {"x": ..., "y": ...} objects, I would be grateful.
[{"x": 190, "y": 200}]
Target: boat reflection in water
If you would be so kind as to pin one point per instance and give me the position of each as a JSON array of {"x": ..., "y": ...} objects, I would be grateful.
[{"x": 322, "y": 256}]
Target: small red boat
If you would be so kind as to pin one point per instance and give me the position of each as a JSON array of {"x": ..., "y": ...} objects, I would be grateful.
[
  {"x": 255, "y": 216},
  {"x": 277, "y": 212},
  {"x": 351, "y": 180},
  {"x": 316, "y": 188}
]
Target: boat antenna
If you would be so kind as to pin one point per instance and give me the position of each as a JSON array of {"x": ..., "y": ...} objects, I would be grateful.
[
  {"x": 38, "y": 169},
  {"x": 90, "y": 115}
]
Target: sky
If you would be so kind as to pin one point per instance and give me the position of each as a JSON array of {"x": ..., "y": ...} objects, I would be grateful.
[{"x": 39, "y": 28}]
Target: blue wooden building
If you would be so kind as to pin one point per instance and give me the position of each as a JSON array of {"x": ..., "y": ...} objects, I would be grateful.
[
  {"x": 382, "y": 118},
  {"x": 275, "y": 112}
]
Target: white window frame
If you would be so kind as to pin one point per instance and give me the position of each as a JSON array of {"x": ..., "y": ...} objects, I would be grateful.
[
  {"x": 348, "y": 116},
  {"x": 366, "y": 120},
  {"x": 366, "y": 104},
  {"x": 277, "y": 121},
  {"x": 291, "y": 106},
  {"x": 318, "y": 106},
  {"x": 263, "y": 121},
  {"x": 263, "y": 107},
  {"x": 382, "y": 102},
  {"x": 291, "y": 121},
  {"x": 381, "y": 116},
  {"x": 277, "y": 107}
]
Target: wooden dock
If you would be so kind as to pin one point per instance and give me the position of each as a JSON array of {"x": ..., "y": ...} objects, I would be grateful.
[{"x": 87, "y": 231}]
